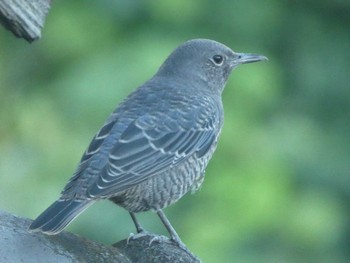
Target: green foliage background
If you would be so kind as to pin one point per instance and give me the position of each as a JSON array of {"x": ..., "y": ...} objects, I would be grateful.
[{"x": 278, "y": 187}]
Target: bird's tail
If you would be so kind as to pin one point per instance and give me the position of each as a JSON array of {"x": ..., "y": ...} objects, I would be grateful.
[{"x": 55, "y": 218}]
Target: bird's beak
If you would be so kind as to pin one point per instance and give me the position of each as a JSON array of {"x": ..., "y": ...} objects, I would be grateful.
[{"x": 242, "y": 58}]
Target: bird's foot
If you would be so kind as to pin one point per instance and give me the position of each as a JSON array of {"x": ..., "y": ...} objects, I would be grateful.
[
  {"x": 139, "y": 234},
  {"x": 181, "y": 245},
  {"x": 158, "y": 239},
  {"x": 174, "y": 240},
  {"x": 153, "y": 237}
]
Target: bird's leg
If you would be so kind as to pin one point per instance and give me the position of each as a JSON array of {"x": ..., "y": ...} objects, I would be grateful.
[
  {"x": 156, "y": 238},
  {"x": 138, "y": 226},
  {"x": 174, "y": 236},
  {"x": 141, "y": 232}
]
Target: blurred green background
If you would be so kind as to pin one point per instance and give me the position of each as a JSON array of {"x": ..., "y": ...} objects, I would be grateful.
[{"x": 278, "y": 187}]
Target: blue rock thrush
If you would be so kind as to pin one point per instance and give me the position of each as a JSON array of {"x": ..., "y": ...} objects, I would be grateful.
[{"x": 155, "y": 146}]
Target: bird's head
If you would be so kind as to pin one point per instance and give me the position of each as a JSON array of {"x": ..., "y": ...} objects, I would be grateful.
[{"x": 204, "y": 61}]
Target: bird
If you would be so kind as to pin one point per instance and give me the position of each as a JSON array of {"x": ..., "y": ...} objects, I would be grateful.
[{"x": 155, "y": 146}]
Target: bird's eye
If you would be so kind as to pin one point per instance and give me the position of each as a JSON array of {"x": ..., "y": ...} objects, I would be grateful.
[{"x": 218, "y": 59}]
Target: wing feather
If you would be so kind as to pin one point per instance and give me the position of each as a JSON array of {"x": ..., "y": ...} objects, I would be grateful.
[{"x": 147, "y": 148}]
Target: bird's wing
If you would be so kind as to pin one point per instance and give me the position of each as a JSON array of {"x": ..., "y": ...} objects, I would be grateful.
[
  {"x": 94, "y": 147},
  {"x": 151, "y": 145}
]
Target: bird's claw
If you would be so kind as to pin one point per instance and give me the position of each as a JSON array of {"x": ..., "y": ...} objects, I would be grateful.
[
  {"x": 159, "y": 239},
  {"x": 154, "y": 237},
  {"x": 137, "y": 235}
]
